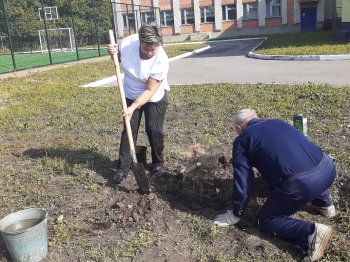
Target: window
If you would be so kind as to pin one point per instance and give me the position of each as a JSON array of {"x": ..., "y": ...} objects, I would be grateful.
[
  {"x": 273, "y": 8},
  {"x": 148, "y": 17},
  {"x": 129, "y": 21},
  {"x": 229, "y": 12},
  {"x": 250, "y": 10},
  {"x": 207, "y": 14},
  {"x": 187, "y": 16},
  {"x": 166, "y": 18}
]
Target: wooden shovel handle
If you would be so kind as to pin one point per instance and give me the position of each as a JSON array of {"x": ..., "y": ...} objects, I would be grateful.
[{"x": 122, "y": 94}]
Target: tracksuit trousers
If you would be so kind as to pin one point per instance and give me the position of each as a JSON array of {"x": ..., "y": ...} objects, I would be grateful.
[
  {"x": 290, "y": 196},
  {"x": 154, "y": 120}
]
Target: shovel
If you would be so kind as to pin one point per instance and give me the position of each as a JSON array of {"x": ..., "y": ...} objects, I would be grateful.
[{"x": 137, "y": 168}]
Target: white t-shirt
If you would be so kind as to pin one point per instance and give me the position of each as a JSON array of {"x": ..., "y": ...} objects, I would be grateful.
[{"x": 138, "y": 71}]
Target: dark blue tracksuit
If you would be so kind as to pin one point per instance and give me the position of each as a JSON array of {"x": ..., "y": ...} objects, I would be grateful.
[{"x": 296, "y": 170}]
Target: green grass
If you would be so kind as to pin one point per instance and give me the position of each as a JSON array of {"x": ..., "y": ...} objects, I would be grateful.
[
  {"x": 30, "y": 60},
  {"x": 317, "y": 43},
  {"x": 175, "y": 50}
]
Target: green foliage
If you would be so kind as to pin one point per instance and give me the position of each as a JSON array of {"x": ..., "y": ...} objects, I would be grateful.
[
  {"x": 137, "y": 243},
  {"x": 60, "y": 233},
  {"x": 203, "y": 231},
  {"x": 90, "y": 19}
]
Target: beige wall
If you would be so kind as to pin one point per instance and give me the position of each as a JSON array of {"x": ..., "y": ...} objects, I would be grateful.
[{"x": 346, "y": 11}]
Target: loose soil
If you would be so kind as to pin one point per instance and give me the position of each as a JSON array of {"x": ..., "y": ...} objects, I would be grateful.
[{"x": 165, "y": 220}]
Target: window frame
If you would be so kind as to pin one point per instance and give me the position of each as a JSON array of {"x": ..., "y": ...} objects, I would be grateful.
[
  {"x": 204, "y": 12},
  {"x": 145, "y": 16},
  {"x": 164, "y": 18},
  {"x": 184, "y": 18},
  {"x": 270, "y": 7},
  {"x": 225, "y": 12},
  {"x": 127, "y": 17},
  {"x": 246, "y": 10}
]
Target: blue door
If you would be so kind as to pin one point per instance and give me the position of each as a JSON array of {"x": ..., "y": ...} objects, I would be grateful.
[{"x": 308, "y": 19}]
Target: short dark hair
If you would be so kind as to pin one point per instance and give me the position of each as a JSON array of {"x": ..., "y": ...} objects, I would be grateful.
[{"x": 151, "y": 34}]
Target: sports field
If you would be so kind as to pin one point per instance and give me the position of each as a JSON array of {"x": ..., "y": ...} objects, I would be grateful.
[{"x": 30, "y": 60}]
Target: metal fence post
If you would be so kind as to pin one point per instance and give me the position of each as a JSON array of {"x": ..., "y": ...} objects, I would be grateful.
[
  {"x": 75, "y": 39},
  {"x": 9, "y": 35},
  {"x": 46, "y": 31},
  {"x": 113, "y": 24},
  {"x": 127, "y": 17},
  {"x": 96, "y": 28}
]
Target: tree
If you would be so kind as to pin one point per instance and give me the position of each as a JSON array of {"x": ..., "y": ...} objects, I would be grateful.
[{"x": 90, "y": 18}]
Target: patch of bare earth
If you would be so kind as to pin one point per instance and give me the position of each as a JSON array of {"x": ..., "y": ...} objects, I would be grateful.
[{"x": 107, "y": 220}]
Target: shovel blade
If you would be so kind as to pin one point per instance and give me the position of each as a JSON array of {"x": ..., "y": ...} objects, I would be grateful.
[{"x": 141, "y": 177}]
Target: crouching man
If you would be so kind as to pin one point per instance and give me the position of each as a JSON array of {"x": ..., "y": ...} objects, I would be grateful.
[{"x": 297, "y": 172}]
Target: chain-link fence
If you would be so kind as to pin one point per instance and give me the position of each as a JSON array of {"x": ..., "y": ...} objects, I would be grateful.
[{"x": 36, "y": 33}]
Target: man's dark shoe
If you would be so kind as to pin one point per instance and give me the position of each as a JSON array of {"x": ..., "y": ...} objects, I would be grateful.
[
  {"x": 157, "y": 169},
  {"x": 118, "y": 177}
]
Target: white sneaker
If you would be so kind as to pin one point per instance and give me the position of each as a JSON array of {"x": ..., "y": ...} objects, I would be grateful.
[
  {"x": 318, "y": 242},
  {"x": 327, "y": 212}
]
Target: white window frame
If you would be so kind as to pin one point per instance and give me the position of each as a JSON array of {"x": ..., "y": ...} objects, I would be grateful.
[
  {"x": 165, "y": 15},
  {"x": 148, "y": 17},
  {"x": 184, "y": 16},
  {"x": 247, "y": 10},
  {"x": 226, "y": 9},
  {"x": 205, "y": 11},
  {"x": 50, "y": 13},
  {"x": 272, "y": 6},
  {"x": 126, "y": 18}
]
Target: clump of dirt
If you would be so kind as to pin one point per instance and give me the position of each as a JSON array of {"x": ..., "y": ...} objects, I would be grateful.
[{"x": 202, "y": 183}]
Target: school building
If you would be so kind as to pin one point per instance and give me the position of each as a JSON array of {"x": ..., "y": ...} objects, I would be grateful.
[{"x": 205, "y": 19}]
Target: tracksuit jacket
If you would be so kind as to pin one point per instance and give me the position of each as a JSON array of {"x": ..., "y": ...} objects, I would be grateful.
[
  {"x": 296, "y": 170},
  {"x": 276, "y": 149}
]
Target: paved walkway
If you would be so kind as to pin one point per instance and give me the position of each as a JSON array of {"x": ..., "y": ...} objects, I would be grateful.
[{"x": 228, "y": 62}]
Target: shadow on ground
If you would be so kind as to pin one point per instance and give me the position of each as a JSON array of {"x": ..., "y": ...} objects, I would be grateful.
[{"x": 96, "y": 162}]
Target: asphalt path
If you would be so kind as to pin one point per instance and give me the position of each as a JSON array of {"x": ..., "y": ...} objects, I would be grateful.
[{"x": 227, "y": 61}]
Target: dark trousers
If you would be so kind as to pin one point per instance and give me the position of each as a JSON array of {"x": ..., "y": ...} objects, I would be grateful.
[
  {"x": 154, "y": 119},
  {"x": 291, "y": 195}
]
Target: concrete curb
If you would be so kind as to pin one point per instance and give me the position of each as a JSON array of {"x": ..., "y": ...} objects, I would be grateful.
[
  {"x": 102, "y": 82},
  {"x": 251, "y": 54},
  {"x": 189, "y": 54}
]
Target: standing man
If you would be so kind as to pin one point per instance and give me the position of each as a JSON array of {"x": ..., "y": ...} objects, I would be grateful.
[
  {"x": 145, "y": 66},
  {"x": 297, "y": 172}
]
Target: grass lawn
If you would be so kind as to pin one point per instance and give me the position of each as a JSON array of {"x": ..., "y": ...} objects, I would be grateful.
[
  {"x": 316, "y": 43},
  {"x": 58, "y": 143},
  {"x": 30, "y": 60}
]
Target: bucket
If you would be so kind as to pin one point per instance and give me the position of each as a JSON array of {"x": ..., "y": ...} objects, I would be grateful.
[
  {"x": 25, "y": 234},
  {"x": 141, "y": 154}
]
